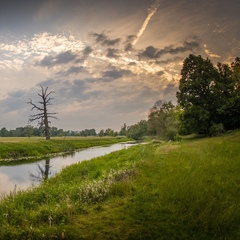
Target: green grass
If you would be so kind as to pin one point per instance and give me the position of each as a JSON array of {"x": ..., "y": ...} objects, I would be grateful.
[
  {"x": 16, "y": 148},
  {"x": 186, "y": 190}
]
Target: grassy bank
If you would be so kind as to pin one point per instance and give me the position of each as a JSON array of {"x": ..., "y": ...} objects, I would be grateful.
[
  {"x": 15, "y": 148},
  {"x": 187, "y": 190}
]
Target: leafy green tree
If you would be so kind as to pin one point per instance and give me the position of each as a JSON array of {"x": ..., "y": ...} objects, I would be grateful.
[
  {"x": 197, "y": 94},
  {"x": 162, "y": 120},
  {"x": 101, "y": 133},
  {"x": 4, "y": 132},
  {"x": 28, "y": 131},
  {"x": 123, "y": 130},
  {"x": 229, "y": 94},
  {"x": 138, "y": 130},
  {"x": 88, "y": 132}
]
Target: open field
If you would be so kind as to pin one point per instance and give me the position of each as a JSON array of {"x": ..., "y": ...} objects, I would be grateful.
[
  {"x": 18, "y": 148},
  {"x": 186, "y": 190}
]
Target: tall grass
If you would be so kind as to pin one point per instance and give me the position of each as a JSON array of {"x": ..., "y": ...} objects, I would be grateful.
[{"x": 187, "y": 190}]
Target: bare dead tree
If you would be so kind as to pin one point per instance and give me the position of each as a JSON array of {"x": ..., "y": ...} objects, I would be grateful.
[{"x": 42, "y": 107}]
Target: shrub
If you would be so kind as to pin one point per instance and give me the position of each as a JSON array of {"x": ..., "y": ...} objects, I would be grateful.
[{"x": 216, "y": 129}]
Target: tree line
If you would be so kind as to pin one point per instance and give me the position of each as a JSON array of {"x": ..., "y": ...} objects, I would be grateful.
[{"x": 29, "y": 131}]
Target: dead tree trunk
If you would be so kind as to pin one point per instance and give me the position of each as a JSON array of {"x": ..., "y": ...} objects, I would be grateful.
[{"x": 43, "y": 115}]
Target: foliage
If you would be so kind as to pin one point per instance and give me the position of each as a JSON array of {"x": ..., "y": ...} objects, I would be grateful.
[
  {"x": 186, "y": 190},
  {"x": 197, "y": 95},
  {"x": 216, "y": 129},
  {"x": 138, "y": 130},
  {"x": 209, "y": 95},
  {"x": 123, "y": 131},
  {"x": 108, "y": 132},
  {"x": 29, "y": 131},
  {"x": 88, "y": 132},
  {"x": 163, "y": 120},
  {"x": 229, "y": 94}
]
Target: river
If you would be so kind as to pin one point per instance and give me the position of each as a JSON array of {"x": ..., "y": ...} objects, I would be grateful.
[{"x": 25, "y": 175}]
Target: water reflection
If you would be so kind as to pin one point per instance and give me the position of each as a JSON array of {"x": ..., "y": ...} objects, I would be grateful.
[
  {"x": 27, "y": 174},
  {"x": 43, "y": 172}
]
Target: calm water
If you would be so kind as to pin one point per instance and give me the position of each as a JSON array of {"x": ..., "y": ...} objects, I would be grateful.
[{"x": 22, "y": 176}]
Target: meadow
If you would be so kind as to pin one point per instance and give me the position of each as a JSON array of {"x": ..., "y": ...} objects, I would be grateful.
[
  {"x": 178, "y": 190},
  {"x": 17, "y": 148}
]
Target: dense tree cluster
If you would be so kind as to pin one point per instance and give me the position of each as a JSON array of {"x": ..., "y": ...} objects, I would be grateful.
[
  {"x": 108, "y": 132},
  {"x": 162, "y": 122},
  {"x": 209, "y": 96}
]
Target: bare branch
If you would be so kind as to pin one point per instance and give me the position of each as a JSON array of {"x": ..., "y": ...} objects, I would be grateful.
[{"x": 42, "y": 106}]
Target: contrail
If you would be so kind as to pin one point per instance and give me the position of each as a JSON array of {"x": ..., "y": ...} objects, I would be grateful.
[{"x": 151, "y": 11}]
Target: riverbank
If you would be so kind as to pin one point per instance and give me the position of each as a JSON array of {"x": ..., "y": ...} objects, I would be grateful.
[
  {"x": 186, "y": 190},
  {"x": 12, "y": 149}
]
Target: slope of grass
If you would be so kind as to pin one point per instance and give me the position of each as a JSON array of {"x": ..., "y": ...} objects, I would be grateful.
[
  {"x": 15, "y": 148},
  {"x": 187, "y": 190}
]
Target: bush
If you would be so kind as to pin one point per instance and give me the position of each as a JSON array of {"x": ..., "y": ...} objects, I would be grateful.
[
  {"x": 216, "y": 129},
  {"x": 177, "y": 138}
]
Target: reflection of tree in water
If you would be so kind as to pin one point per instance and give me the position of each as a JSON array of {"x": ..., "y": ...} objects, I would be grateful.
[{"x": 43, "y": 172}]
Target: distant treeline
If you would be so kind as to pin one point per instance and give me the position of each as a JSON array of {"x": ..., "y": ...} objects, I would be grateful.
[{"x": 29, "y": 131}]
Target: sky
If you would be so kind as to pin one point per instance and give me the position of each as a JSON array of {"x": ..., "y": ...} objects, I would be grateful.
[{"x": 106, "y": 61}]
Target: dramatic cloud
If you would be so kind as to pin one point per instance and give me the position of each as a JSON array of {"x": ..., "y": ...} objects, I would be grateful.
[
  {"x": 154, "y": 53},
  {"x": 104, "y": 40},
  {"x": 115, "y": 73},
  {"x": 128, "y": 42},
  {"x": 112, "y": 53},
  {"x": 84, "y": 55},
  {"x": 62, "y": 58}
]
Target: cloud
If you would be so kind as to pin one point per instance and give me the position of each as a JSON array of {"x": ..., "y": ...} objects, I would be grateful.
[
  {"x": 170, "y": 60},
  {"x": 14, "y": 101},
  {"x": 104, "y": 40},
  {"x": 116, "y": 73},
  {"x": 160, "y": 73},
  {"x": 84, "y": 54},
  {"x": 153, "y": 53},
  {"x": 49, "y": 48},
  {"x": 169, "y": 89},
  {"x": 62, "y": 58},
  {"x": 149, "y": 52},
  {"x": 209, "y": 53},
  {"x": 72, "y": 70},
  {"x": 151, "y": 11},
  {"x": 187, "y": 46},
  {"x": 113, "y": 53},
  {"x": 128, "y": 43}
]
